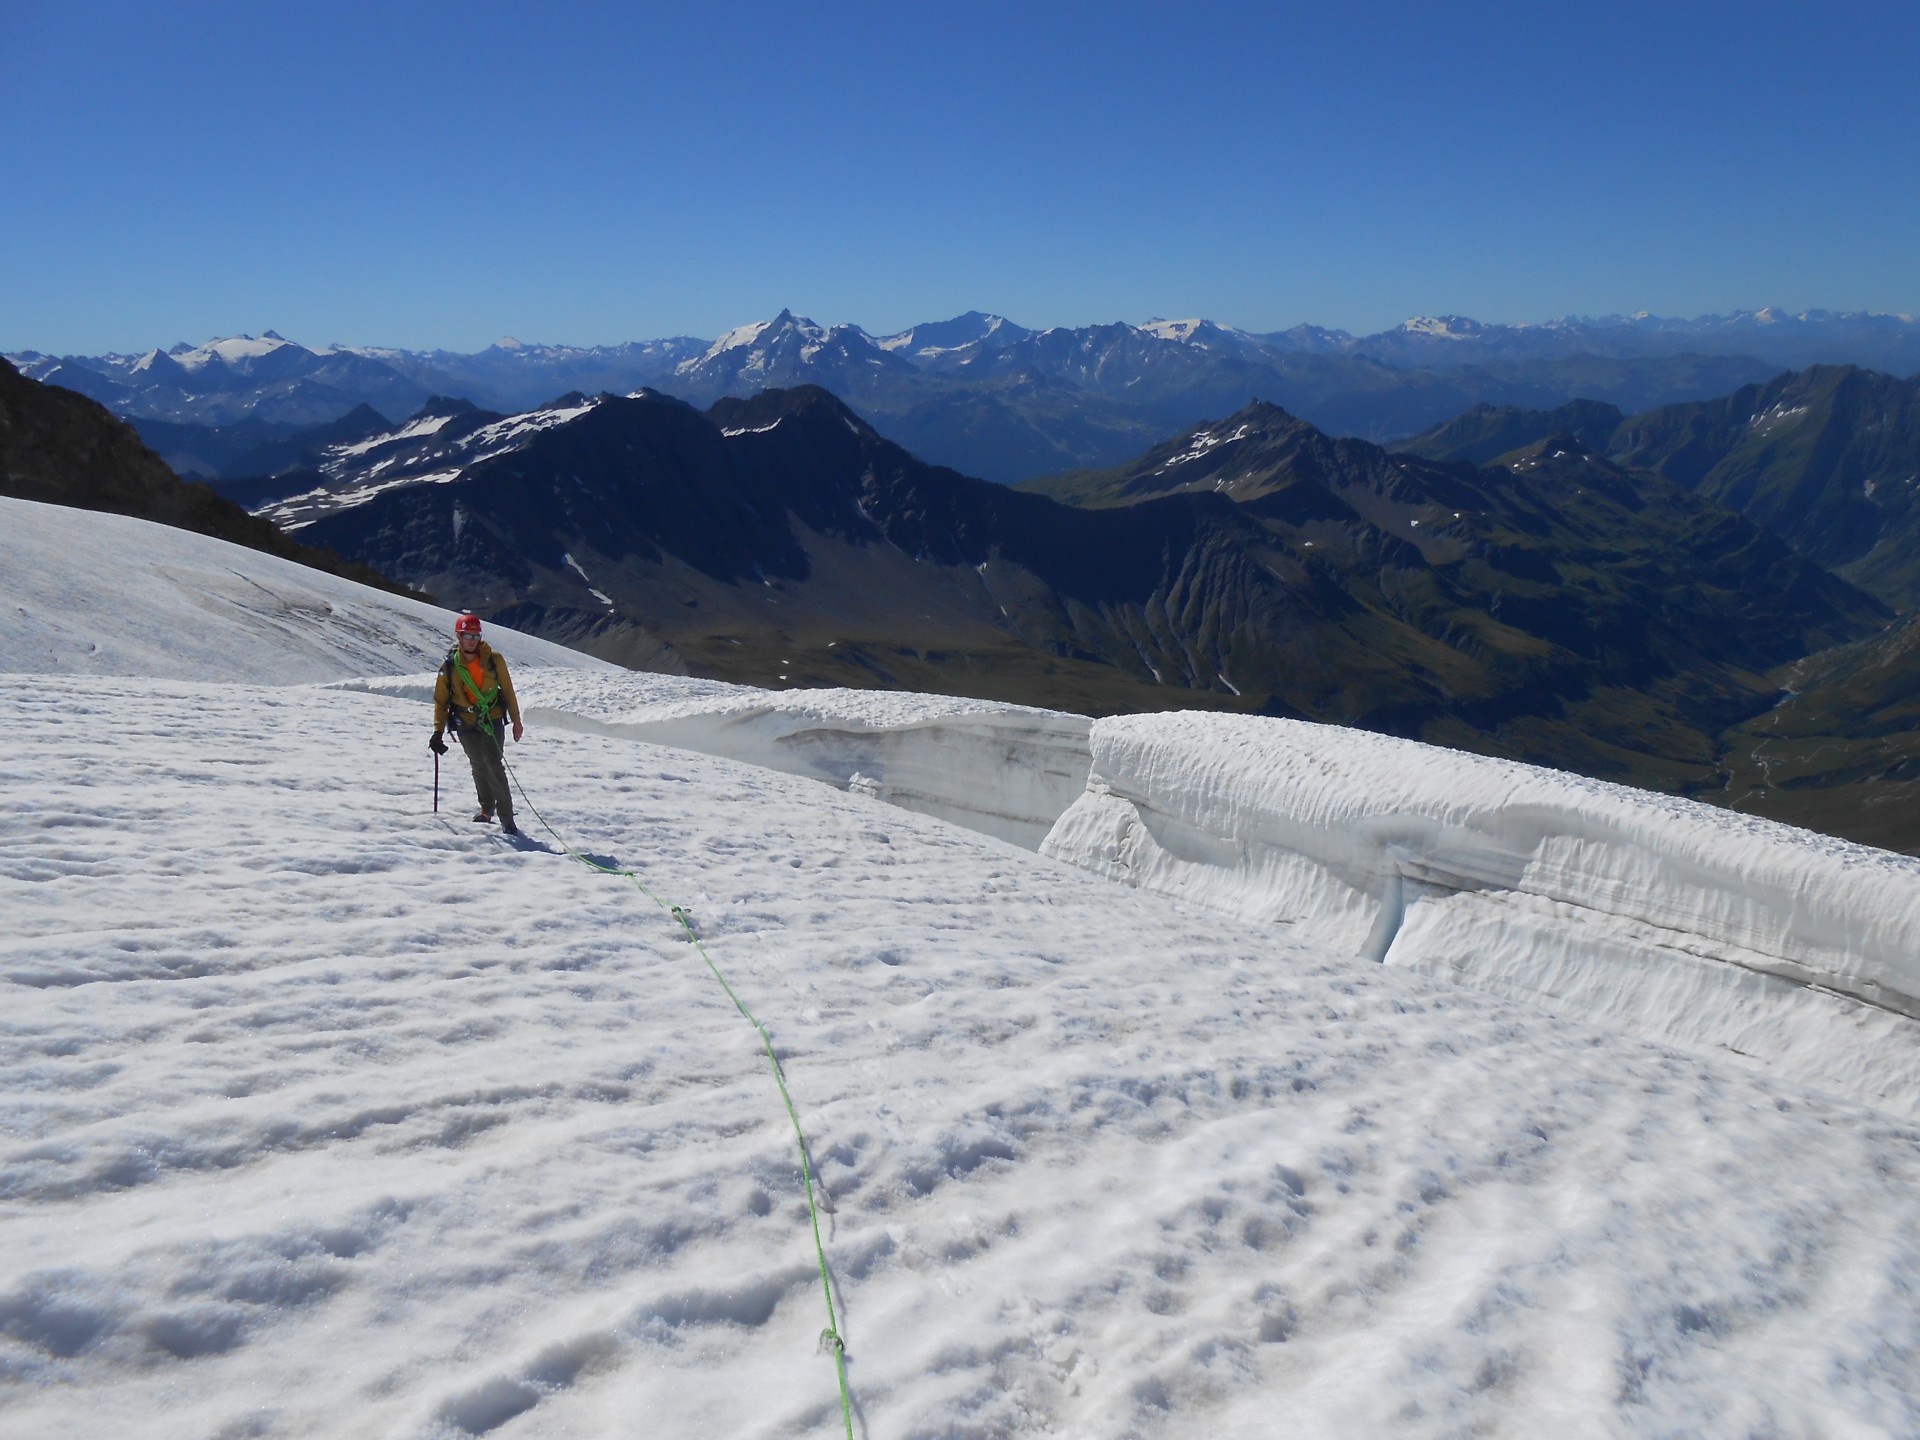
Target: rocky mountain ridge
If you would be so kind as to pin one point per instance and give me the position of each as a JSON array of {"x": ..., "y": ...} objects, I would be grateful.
[{"x": 1828, "y": 458}]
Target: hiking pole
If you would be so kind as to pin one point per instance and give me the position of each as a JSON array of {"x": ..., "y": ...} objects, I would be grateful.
[{"x": 436, "y": 782}]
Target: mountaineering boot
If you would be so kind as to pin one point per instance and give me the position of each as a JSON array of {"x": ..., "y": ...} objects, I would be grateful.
[
  {"x": 483, "y": 817},
  {"x": 507, "y": 827}
]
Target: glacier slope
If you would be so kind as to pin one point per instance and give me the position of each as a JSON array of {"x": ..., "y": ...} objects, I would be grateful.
[
  {"x": 327, "y": 1116},
  {"x": 87, "y": 593}
]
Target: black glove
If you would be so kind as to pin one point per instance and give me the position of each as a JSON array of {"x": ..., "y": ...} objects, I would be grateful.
[{"x": 437, "y": 743}]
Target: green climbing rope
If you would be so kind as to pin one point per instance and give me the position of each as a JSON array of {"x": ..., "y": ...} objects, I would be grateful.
[{"x": 830, "y": 1337}]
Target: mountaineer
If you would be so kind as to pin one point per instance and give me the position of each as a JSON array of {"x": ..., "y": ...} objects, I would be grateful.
[{"x": 474, "y": 698}]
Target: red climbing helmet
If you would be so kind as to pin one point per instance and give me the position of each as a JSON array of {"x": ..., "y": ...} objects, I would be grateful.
[{"x": 468, "y": 624}]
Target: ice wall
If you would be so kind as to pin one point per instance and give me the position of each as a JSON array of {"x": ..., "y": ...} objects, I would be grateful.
[
  {"x": 1799, "y": 952},
  {"x": 1004, "y": 770}
]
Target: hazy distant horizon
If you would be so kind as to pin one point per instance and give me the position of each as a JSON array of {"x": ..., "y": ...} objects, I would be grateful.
[{"x": 537, "y": 341}]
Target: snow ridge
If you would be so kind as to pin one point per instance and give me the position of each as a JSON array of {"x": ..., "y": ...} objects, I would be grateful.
[{"x": 1797, "y": 950}]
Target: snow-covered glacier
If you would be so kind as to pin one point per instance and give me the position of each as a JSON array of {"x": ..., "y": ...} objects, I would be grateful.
[
  {"x": 1667, "y": 917},
  {"x": 326, "y": 1114}
]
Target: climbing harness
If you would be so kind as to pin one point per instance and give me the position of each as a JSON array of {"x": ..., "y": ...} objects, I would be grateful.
[
  {"x": 830, "y": 1338},
  {"x": 483, "y": 700}
]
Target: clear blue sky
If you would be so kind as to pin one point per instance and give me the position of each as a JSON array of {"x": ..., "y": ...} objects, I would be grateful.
[{"x": 442, "y": 174}]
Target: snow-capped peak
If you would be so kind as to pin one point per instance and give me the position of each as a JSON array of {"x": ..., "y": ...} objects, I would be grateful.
[
  {"x": 738, "y": 337},
  {"x": 1181, "y": 330},
  {"x": 764, "y": 339},
  {"x": 1442, "y": 327},
  {"x": 234, "y": 349},
  {"x": 932, "y": 339}
]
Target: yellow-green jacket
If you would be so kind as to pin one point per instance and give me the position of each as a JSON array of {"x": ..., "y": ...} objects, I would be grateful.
[{"x": 450, "y": 692}]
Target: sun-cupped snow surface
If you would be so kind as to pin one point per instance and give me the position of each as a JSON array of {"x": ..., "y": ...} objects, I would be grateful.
[
  {"x": 1796, "y": 951},
  {"x": 92, "y": 594},
  {"x": 328, "y": 1116},
  {"x": 1005, "y": 770}
]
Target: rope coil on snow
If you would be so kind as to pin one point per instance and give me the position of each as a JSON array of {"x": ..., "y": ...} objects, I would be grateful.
[{"x": 830, "y": 1338}]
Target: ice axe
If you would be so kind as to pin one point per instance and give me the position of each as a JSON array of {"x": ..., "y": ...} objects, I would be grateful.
[{"x": 439, "y": 748}]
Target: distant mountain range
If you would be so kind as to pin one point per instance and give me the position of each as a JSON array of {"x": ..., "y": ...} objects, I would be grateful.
[
  {"x": 985, "y": 395},
  {"x": 267, "y": 381}
]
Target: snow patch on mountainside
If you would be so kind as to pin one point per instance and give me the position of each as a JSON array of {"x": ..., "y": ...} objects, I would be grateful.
[
  {"x": 1201, "y": 443},
  {"x": 296, "y": 512},
  {"x": 502, "y": 432},
  {"x": 412, "y": 430},
  {"x": 355, "y": 481},
  {"x": 740, "y": 337}
]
